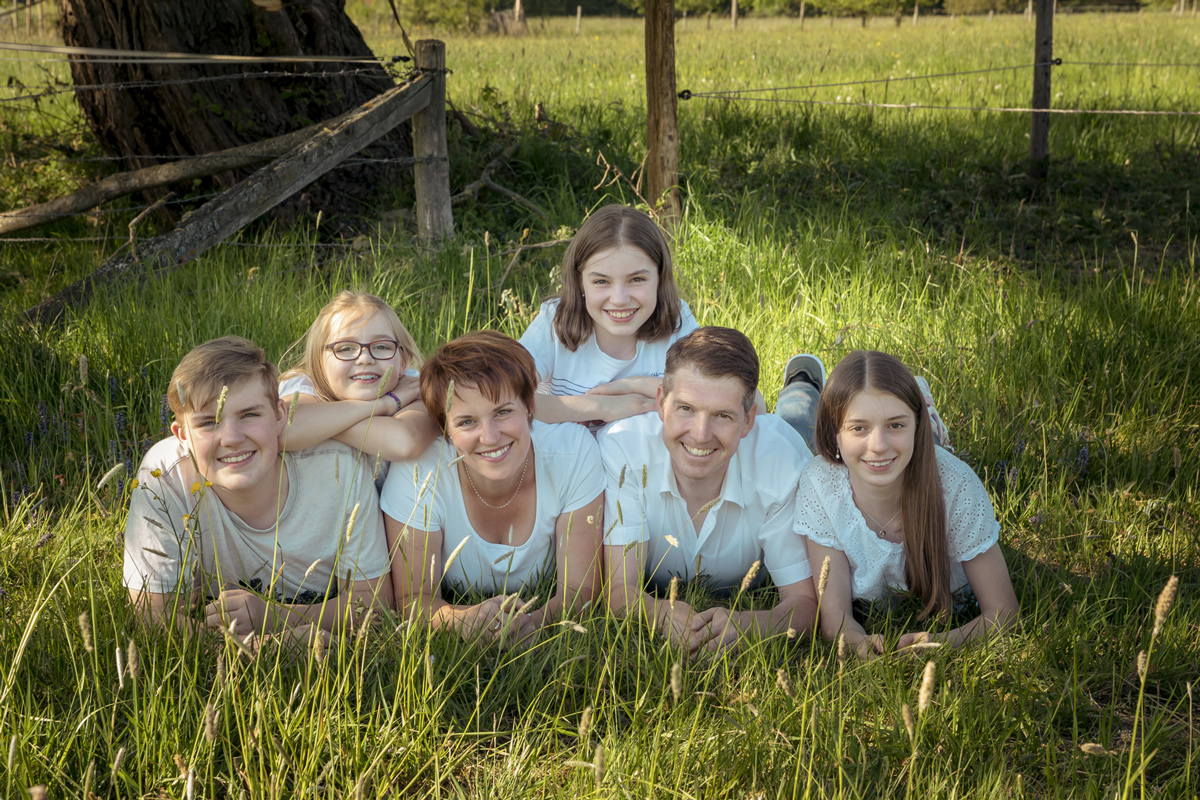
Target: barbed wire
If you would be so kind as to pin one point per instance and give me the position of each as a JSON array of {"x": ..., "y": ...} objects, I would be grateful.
[
  {"x": 181, "y": 81},
  {"x": 930, "y": 107},
  {"x": 167, "y": 57}
]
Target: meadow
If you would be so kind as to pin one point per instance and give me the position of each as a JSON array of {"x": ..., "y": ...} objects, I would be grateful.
[{"x": 1058, "y": 323}]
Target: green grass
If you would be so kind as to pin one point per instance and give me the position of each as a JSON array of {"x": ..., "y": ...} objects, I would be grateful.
[{"x": 1059, "y": 325}]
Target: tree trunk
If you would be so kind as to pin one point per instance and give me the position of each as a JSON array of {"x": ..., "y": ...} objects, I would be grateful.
[{"x": 198, "y": 115}]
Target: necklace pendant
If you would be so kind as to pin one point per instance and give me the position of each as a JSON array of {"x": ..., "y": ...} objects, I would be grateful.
[{"x": 882, "y": 534}]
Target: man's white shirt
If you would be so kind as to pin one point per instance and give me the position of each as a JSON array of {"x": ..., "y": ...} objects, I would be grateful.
[{"x": 752, "y": 519}]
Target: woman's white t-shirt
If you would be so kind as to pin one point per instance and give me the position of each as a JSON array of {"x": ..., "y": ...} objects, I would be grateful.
[
  {"x": 567, "y": 373},
  {"x": 826, "y": 514},
  {"x": 427, "y": 495}
]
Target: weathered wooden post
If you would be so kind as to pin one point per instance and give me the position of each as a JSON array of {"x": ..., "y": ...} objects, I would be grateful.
[
  {"x": 916, "y": 12},
  {"x": 578, "y": 19},
  {"x": 708, "y": 21},
  {"x": 1043, "y": 54},
  {"x": 733, "y": 14},
  {"x": 802, "y": 4},
  {"x": 432, "y": 177},
  {"x": 662, "y": 158}
]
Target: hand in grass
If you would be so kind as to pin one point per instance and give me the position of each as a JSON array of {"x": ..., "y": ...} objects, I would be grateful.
[
  {"x": 498, "y": 619},
  {"x": 866, "y": 647},
  {"x": 723, "y": 633},
  {"x": 237, "y": 606}
]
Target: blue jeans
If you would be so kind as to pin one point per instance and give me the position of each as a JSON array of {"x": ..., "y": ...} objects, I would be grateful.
[{"x": 797, "y": 406}]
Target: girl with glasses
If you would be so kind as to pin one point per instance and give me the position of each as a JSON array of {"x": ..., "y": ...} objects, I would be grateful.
[{"x": 356, "y": 382}]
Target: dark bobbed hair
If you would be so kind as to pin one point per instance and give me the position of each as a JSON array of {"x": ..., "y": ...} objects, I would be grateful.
[
  {"x": 226, "y": 362},
  {"x": 715, "y": 352},
  {"x": 922, "y": 505},
  {"x": 492, "y": 363},
  {"x": 609, "y": 227}
]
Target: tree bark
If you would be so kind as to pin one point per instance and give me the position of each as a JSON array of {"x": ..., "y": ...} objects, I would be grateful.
[{"x": 194, "y": 109}]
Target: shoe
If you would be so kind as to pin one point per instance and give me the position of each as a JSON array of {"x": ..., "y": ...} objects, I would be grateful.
[
  {"x": 806, "y": 367},
  {"x": 941, "y": 436}
]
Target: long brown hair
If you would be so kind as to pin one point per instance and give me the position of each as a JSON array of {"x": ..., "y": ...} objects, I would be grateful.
[
  {"x": 616, "y": 226},
  {"x": 922, "y": 506}
]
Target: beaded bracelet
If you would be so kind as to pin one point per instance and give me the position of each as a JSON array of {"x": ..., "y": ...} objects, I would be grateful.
[{"x": 397, "y": 399}]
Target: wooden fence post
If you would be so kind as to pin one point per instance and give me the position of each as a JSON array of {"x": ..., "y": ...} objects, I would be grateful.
[
  {"x": 1043, "y": 53},
  {"x": 916, "y": 12},
  {"x": 662, "y": 157},
  {"x": 578, "y": 19},
  {"x": 802, "y": 4},
  {"x": 733, "y": 9},
  {"x": 435, "y": 220}
]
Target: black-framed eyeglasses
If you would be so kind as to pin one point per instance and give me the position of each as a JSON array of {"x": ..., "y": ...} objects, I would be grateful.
[{"x": 348, "y": 350}]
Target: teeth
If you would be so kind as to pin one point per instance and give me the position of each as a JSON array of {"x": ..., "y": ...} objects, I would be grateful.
[
  {"x": 234, "y": 459},
  {"x": 698, "y": 452},
  {"x": 363, "y": 377},
  {"x": 496, "y": 453},
  {"x": 878, "y": 463},
  {"x": 622, "y": 315}
]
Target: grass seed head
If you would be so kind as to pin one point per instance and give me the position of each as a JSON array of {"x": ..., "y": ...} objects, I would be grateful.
[
  {"x": 85, "y": 630},
  {"x": 116, "y": 470},
  {"x": 1142, "y": 663},
  {"x": 673, "y": 591},
  {"x": 221, "y": 402},
  {"x": 211, "y": 716},
  {"x": 585, "y": 724},
  {"x": 621, "y": 477},
  {"x": 320, "y": 652},
  {"x": 221, "y": 676},
  {"x": 37, "y": 792},
  {"x": 1178, "y": 460},
  {"x": 12, "y": 752},
  {"x": 824, "y": 579},
  {"x": 909, "y": 724},
  {"x": 292, "y": 408},
  {"x": 598, "y": 764},
  {"x": 387, "y": 378},
  {"x": 181, "y": 765},
  {"x": 1093, "y": 749},
  {"x": 120, "y": 669},
  {"x": 785, "y": 683},
  {"x": 131, "y": 657},
  {"x": 378, "y": 464},
  {"x": 350, "y": 524},
  {"x": 677, "y": 680},
  {"x": 751, "y": 574},
  {"x": 644, "y": 472},
  {"x": 926, "y": 695},
  {"x": 791, "y": 633},
  {"x": 116, "y": 767},
  {"x": 1166, "y": 599}
]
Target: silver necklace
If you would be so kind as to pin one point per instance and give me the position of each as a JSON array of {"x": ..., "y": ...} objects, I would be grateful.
[
  {"x": 881, "y": 533},
  {"x": 471, "y": 481}
]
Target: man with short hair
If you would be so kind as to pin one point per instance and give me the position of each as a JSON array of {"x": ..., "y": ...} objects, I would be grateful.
[
  {"x": 264, "y": 540},
  {"x": 706, "y": 488}
]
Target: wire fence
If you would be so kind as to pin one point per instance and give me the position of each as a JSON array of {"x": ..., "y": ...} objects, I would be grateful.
[{"x": 359, "y": 66}]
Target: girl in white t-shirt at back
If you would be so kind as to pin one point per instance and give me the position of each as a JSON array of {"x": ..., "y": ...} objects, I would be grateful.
[
  {"x": 601, "y": 346},
  {"x": 356, "y": 383}
]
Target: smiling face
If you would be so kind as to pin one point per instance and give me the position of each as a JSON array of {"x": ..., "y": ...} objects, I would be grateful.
[
  {"x": 239, "y": 455},
  {"x": 493, "y": 436},
  {"x": 876, "y": 440},
  {"x": 362, "y": 378},
  {"x": 704, "y": 420},
  {"x": 620, "y": 290}
]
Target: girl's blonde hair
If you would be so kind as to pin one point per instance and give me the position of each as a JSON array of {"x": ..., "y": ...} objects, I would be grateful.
[
  {"x": 614, "y": 226},
  {"x": 355, "y": 306},
  {"x": 922, "y": 505}
]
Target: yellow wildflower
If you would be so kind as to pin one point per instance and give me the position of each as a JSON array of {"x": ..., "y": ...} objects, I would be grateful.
[
  {"x": 157, "y": 473},
  {"x": 195, "y": 487}
]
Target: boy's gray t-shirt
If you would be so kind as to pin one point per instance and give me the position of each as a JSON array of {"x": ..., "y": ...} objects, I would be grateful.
[{"x": 176, "y": 525}]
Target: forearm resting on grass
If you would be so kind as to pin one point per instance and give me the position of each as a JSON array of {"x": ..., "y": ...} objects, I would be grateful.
[
  {"x": 677, "y": 620},
  {"x": 836, "y": 610},
  {"x": 988, "y": 576},
  {"x": 796, "y": 610}
]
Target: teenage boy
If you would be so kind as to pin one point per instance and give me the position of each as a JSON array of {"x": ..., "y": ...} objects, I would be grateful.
[
  {"x": 222, "y": 519},
  {"x": 705, "y": 487}
]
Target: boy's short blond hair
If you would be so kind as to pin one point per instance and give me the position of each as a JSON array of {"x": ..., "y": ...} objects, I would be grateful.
[{"x": 229, "y": 361}]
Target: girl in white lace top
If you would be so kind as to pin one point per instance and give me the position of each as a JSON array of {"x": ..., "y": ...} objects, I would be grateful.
[{"x": 892, "y": 511}]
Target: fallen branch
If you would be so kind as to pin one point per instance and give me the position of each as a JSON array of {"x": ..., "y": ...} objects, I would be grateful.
[
  {"x": 262, "y": 191},
  {"x": 521, "y": 248},
  {"x": 471, "y": 190},
  {"x": 124, "y": 183}
]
